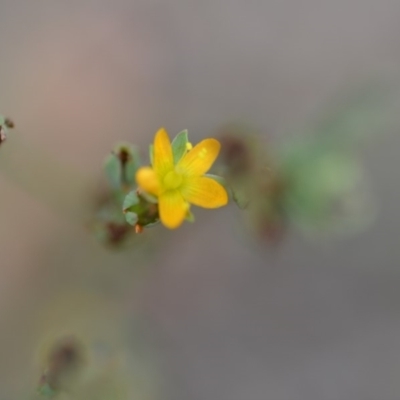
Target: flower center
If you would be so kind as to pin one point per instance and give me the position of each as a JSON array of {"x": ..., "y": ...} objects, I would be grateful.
[{"x": 172, "y": 180}]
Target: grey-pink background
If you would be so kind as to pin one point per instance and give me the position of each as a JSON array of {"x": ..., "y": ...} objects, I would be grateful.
[{"x": 309, "y": 320}]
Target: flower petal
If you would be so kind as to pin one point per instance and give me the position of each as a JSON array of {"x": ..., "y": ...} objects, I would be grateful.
[
  {"x": 147, "y": 179},
  {"x": 173, "y": 208},
  {"x": 163, "y": 158},
  {"x": 200, "y": 159},
  {"x": 205, "y": 192}
]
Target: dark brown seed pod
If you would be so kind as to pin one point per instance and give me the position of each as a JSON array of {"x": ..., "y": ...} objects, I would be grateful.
[
  {"x": 235, "y": 154},
  {"x": 64, "y": 362},
  {"x": 9, "y": 123}
]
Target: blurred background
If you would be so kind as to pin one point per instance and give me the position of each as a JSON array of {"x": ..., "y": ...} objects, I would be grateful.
[{"x": 211, "y": 313}]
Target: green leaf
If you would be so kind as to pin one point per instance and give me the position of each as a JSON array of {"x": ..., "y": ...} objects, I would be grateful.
[
  {"x": 131, "y": 200},
  {"x": 179, "y": 145},
  {"x": 46, "y": 391},
  {"x": 113, "y": 170},
  {"x": 131, "y": 218},
  {"x": 354, "y": 116}
]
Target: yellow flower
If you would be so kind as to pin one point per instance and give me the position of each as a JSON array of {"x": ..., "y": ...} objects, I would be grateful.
[{"x": 181, "y": 183}]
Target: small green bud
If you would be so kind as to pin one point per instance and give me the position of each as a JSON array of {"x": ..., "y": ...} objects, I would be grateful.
[
  {"x": 139, "y": 210},
  {"x": 121, "y": 165}
]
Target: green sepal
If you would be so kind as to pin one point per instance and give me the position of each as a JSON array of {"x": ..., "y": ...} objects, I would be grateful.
[
  {"x": 149, "y": 197},
  {"x": 131, "y": 167},
  {"x": 113, "y": 170},
  {"x": 130, "y": 200},
  {"x": 131, "y": 218},
  {"x": 179, "y": 145},
  {"x": 219, "y": 179},
  {"x": 145, "y": 211},
  {"x": 190, "y": 216},
  {"x": 152, "y": 224},
  {"x": 240, "y": 198}
]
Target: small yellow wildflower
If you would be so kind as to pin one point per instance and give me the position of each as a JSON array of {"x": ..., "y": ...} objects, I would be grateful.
[{"x": 177, "y": 185}]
